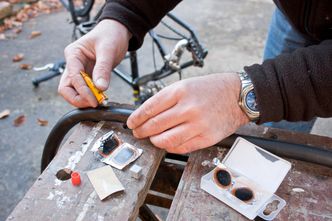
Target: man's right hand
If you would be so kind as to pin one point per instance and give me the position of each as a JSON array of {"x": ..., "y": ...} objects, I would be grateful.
[{"x": 96, "y": 53}]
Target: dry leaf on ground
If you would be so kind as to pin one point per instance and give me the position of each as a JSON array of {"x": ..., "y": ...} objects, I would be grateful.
[
  {"x": 18, "y": 57},
  {"x": 4, "y": 113},
  {"x": 35, "y": 34},
  {"x": 42, "y": 122},
  {"x": 29, "y": 11},
  {"x": 25, "y": 66},
  {"x": 17, "y": 30},
  {"x": 19, "y": 120}
]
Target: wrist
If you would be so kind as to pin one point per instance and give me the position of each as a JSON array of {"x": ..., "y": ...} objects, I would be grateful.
[
  {"x": 233, "y": 83},
  {"x": 241, "y": 115},
  {"x": 125, "y": 33}
]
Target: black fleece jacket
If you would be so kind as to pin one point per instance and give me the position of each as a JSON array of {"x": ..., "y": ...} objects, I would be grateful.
[{"x": 294, "y": 87}]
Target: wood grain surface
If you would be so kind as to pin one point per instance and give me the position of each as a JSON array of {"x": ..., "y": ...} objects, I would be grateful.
[
  {"x": 51, "y": 199},
  {"x": 307, "y": 188}
]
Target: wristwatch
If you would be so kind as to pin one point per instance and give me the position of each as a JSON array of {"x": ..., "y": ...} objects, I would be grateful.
[{"x": 247, "y": 100}]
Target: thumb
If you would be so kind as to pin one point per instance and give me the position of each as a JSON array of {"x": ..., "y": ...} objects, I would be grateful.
[{"x": 102, "y": 70}]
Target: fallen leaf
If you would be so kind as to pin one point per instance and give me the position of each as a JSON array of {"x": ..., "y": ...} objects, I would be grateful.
[
  {"x": 17, "y": 30},
  {"x": 19, "y": 120},
  {"x": 29, "y": 11},
  {"x": 18, "y": 57},
  {"x": 14, "y": 1},
  {"x": 22, "y": 16},
  {"x": 42, "y": 122},
  {"x": 25, "y": 66},
  {"x": 4, "y": 113},
  {"x": 35, "y": 34}
]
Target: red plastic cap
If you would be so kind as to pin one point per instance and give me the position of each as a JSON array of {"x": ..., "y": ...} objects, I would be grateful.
[{"x": 75, "y": 178}]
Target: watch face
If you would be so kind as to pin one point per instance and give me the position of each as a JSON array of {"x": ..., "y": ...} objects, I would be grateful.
[{"x": 251, "y": 101}]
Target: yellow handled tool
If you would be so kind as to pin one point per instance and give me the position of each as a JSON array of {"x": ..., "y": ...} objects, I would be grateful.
[{"x": 100, "y": 96}]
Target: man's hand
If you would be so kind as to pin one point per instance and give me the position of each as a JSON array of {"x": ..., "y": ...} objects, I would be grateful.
[
  {"x": 191, "y": 114},
  {"x": 97, "y": 53}
]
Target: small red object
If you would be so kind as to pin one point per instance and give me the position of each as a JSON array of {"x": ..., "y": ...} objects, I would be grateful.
[{"x": 75, "y": 178}]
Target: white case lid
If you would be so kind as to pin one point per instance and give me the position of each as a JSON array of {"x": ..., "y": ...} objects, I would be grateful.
[{"x": 262, "y": 167}]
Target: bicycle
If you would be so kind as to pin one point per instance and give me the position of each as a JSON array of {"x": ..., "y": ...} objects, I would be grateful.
[{"x": 144, "y": 86}]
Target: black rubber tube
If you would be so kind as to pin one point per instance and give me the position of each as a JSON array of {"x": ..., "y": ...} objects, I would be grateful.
[
  {"x": 120, "y": 114},
  {"x": 295, "y": 151}
]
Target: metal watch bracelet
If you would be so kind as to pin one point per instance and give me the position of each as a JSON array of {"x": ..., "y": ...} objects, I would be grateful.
[{"x": 247, "y": 99}]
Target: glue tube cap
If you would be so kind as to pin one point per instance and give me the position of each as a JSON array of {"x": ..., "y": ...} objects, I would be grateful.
[{"x": 75, "y": 178}]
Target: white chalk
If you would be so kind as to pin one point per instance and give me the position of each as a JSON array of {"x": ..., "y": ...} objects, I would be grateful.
[{"x": 135, "y": 171}]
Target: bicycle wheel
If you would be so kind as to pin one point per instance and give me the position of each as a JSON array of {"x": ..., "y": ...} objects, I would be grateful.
[{"x": 82, "y": 8}]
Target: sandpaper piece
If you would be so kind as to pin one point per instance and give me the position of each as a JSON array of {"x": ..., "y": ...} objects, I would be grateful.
[{"x": 104, "y": 181}]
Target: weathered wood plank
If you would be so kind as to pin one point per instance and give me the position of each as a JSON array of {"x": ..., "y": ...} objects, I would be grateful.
[
  {"x": 167, "y": 178},
  {"x": 50, "y": 199},
  {"x": 285, "y": 135},
  {"x": 314, "y": 203}
]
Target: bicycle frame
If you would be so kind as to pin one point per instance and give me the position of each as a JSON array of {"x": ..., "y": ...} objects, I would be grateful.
[{"x": 135, "y": 80}]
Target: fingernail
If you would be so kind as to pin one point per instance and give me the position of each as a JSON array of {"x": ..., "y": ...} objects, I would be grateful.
[
  {"x": 129, "y": 125},
  {"x": 101, "y": 83}
]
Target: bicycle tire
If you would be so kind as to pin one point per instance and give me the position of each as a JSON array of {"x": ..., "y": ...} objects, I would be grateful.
[
  {"x": 121, "y": 112},
  {"x": 81, "y": 11}
]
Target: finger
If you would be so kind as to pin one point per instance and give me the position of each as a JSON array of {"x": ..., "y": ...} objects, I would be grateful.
[
  {"x": 66, "y": 90},
  {"x": 160, "y": 102},
  {"x": 83, "y": 90},
  {"x": 73, "y": 97},
  {"x": 103, "y": 68},
  {"x": 160, "y": 123},
  {"x": 174, "y": 137},
  {"x": 73, "y": 68},
  {"x": 195, "y": 143},
  {"x": 74, "y": 61},
  {"x": 89, "y": 67},
  {"x": 74, "y": 64}
]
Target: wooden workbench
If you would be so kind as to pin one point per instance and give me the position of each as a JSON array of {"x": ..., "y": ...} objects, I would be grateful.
[
  {"x": 307, "y": 188},
  {"x": 51, "y": 199}
]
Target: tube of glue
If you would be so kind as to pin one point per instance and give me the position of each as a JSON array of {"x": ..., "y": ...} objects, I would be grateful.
[{"x": 100, "y": 96}]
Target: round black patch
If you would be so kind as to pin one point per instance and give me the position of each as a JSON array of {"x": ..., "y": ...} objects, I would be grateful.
[
  {"x": 223, "y": 177},
  {"x": 243, "y": 193}
]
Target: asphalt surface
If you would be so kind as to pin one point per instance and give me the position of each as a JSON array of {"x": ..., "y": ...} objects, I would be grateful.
[{"x": 233, "y": 31}]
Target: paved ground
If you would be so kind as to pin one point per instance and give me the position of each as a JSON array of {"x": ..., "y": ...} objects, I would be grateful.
[{"x": 233, "y": 31}]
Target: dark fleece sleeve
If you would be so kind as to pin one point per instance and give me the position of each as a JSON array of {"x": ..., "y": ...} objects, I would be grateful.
[
  {"x": 139, "y": 16},
  {"x": 296, "y": 86}
]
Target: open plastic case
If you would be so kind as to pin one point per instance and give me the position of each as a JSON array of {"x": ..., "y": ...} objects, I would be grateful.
[{"x": 250, "y": 167}]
